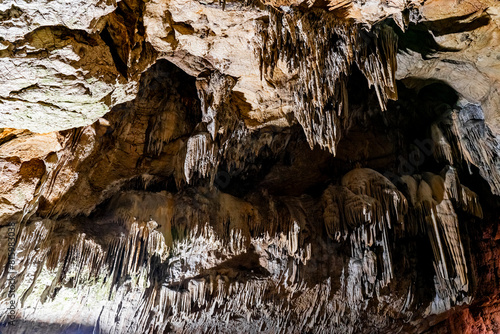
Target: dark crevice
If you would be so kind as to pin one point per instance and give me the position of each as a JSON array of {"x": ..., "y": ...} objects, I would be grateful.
[
  {"x": 418, "y": 38},
  {"x": 458, "y": 24},
  {"x": 120, "y": 65}
]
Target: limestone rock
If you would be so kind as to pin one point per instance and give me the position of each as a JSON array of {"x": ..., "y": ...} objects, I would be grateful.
[{"x": 192, "y": 166}]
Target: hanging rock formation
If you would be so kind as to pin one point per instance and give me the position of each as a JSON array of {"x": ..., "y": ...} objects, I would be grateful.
[{"x": 273, "y": 166}]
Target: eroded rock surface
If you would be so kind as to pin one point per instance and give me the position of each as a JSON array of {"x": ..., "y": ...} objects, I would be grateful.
[{"x": 299, "y": 167}]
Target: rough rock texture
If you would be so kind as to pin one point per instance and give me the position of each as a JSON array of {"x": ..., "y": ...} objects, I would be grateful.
[{"x": 259, "y": 167}]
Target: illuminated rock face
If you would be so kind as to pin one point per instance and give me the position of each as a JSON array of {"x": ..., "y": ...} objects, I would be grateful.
[{"x": 195, "y": 167}]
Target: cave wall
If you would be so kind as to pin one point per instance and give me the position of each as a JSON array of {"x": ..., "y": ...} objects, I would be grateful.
[{"x": 191, "y": 166}]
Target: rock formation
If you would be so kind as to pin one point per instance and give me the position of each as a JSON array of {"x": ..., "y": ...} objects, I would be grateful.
[{"x": 194, "y": 166}]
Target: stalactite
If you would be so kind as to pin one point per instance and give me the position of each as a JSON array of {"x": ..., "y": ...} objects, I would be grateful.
[
  {"x": 364, "y": 208},
  {"x": 227, "y": 138},
  {"x": 214, "y": 92},
  {"x": 295, "y": 241},
  {"x": 365, "y": 205},
  {"x": 321, "y": 53},
  {"x": 363, "y": 181},
  {"x": 228, "y": 262},
  {"x": 435, "y": 199},
  {"x": 475, "y": 142},
  {"x": 442, "y": 149},
  {"x": 200, "y": 156},
  {"x": 380, "y": 65}
]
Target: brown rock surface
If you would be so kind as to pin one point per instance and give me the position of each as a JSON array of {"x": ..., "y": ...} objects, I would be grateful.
[{"x": 279, "y": 167}]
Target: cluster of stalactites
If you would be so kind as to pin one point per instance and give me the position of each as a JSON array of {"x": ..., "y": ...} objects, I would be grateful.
[
  {"x": 319, "y": 51},
  {"x": 365, "y": 198},
  {"x": 364, "y": 208},
  {"x": 461, "y": 134},
  {"x": 476, "y": 143},
  {"x": 435, "y": 200},
  {"x": 77, "y": 258},
  {"x": 217, "y": 123},
  {"x": 214, "y": 92},
  {"x": 220, "y": 136},
  {"x": 200, "y": 156},
  {"x": 379, "y": 65}
]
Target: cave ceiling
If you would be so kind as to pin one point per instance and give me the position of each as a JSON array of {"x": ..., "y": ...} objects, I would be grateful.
[{"x": 274, "y": 166}]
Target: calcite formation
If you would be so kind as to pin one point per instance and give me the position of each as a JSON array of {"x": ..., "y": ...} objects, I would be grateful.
[{"x": 272, "y": 166}]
